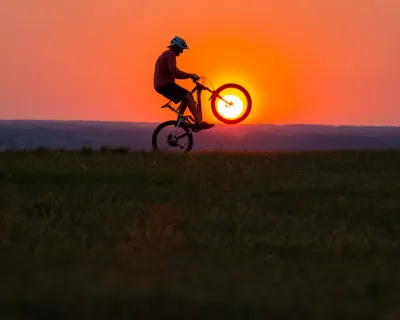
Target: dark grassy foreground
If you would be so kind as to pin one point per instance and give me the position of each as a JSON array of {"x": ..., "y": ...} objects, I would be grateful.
[{"x": 226, "y": 236}]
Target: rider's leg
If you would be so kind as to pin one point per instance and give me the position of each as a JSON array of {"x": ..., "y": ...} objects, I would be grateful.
[
  {"x": 177, "y": 94},
  {"x": 182, "y": 108},
  {"x": 189, "y": 101}
]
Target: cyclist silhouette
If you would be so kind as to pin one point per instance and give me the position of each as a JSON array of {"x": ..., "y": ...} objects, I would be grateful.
[{"x": 165, "y": 74}]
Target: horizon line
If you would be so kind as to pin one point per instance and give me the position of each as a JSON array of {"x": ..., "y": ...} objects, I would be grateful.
[{"x": 218, "y": 124}]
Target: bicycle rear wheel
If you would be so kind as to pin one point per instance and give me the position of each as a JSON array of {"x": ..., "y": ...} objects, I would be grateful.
[
  {"x": 167, "y": 137},
  {"x": 238, "y": 110}
]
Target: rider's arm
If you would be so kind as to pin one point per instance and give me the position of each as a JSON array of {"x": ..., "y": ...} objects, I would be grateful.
[{"x": 174, "y": 70}]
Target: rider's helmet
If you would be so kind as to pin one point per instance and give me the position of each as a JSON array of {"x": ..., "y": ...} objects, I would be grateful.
[{"x": 178, "y": 41}]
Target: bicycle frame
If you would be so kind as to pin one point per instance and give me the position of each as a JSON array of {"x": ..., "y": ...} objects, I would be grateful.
[
  {"x": 181, "y": 118},
  {"x": 197, "y": 89}
]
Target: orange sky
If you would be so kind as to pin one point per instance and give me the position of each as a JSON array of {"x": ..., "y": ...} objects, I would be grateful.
[{"x": 310, "y": 61}]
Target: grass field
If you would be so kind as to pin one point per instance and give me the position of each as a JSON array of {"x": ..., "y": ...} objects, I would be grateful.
[{"x": 120, "y": 235}]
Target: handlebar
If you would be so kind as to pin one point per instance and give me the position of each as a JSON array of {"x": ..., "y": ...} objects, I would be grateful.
[
  {"x": 202, "y": 86},
  {"x": 212, "y": 91}
]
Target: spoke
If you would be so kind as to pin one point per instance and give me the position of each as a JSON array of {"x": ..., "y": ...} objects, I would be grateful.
[
  {"x": 172, "y": 141},
  {"x": 183, "y": 135}
]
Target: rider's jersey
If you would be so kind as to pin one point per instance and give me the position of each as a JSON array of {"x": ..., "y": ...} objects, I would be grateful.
[{"x": 166, "y": 70}]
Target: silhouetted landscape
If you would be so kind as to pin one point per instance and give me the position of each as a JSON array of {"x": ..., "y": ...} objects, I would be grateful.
[
  {"x": 111, "y": 234},
  {"x": 249, "y": 235},
  {"x": 26, "y": 134}
]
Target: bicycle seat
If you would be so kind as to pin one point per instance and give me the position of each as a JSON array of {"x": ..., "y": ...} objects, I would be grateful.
[{"x": 166, "y": 105}]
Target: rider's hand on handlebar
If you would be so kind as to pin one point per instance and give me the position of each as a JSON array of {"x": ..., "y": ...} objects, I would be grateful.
[{"x": 194, "y": 77}]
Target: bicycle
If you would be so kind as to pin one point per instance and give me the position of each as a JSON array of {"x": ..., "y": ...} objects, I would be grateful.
[{"x": 186, "y": 123}]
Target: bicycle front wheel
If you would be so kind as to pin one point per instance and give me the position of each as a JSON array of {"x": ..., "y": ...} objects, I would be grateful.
[
  {"x": 238, "y": 107},
  {"x": 168, "y": 137}
]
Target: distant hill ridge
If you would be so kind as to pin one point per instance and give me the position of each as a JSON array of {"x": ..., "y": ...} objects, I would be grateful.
[{"x": 20, "y": 134}]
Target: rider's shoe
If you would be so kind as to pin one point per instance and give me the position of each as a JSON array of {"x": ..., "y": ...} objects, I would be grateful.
[{"x": 203, "y": 126}]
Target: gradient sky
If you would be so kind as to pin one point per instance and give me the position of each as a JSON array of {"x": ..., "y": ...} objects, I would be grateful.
[{"x": 311, "y": 61}]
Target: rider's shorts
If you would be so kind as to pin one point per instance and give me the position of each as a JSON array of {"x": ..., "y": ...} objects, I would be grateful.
[{"x": 173, "y": 92}]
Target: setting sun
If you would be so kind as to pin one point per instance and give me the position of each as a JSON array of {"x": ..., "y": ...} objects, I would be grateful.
[{"x": 230, "y": 111}]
